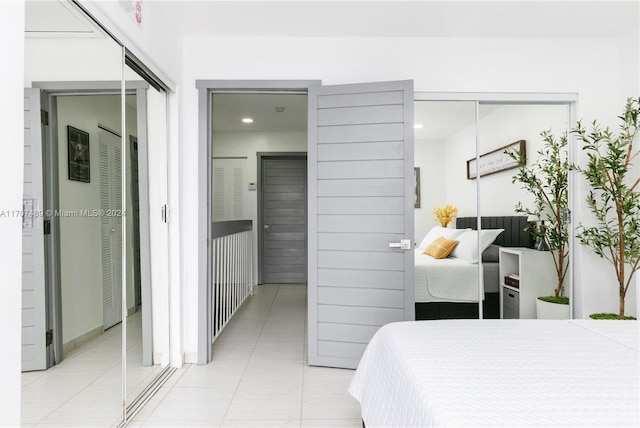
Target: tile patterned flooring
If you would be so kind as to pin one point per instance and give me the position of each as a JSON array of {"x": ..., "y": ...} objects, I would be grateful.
[{"x": 259, "y": 377}]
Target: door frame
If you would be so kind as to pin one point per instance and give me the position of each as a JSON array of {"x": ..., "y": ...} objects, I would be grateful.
[
  {"x": 51, "y": 200},
  {"x": 206, "y": 89},
  {"x": 263, "y": 156}
]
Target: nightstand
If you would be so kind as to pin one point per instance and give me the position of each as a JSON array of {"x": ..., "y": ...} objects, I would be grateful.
[{"x": 525, "y": 274}]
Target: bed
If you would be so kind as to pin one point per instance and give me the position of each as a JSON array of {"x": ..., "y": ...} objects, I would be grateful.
[
  {"x": 448, "y": 287},
  {"x": 500, "y": 373}
]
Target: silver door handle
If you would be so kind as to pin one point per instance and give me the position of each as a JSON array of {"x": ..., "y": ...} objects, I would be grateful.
[
  {"x": 404, "y": 244},
  {"x": 267, "y": 228}
]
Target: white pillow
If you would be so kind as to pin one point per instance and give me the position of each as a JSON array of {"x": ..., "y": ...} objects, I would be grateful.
[
  {"x": 438, "y": 231},
  {"x": 467, "y": 248}
]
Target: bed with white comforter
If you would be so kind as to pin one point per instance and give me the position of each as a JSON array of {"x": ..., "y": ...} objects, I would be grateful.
[
  {"x": 451, "y": 279},
  {"x": 500, "y": 373}
]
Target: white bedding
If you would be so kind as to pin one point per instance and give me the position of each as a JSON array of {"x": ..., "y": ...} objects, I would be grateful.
[
  {"x": 500, "y": 373},
  {"x": 445, "y": 280}
]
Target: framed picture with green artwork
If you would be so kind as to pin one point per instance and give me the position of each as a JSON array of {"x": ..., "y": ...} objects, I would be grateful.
[{"x": 78, "y": 154}]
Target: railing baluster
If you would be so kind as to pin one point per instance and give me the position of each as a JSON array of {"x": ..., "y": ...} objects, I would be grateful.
[{"x": 232, "y": 276}]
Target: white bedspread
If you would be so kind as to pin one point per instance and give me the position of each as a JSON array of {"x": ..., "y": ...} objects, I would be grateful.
[
  {"x": 445, "y": 280},
  {"x": 500, "y": 373}
]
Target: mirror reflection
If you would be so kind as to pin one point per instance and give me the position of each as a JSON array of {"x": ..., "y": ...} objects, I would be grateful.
[
  {"x": 455, "y": 184},
  {"x": 538, "y": 192},
  {"x": 446, "y": 268},
  {"x": 72, "y": 349}
]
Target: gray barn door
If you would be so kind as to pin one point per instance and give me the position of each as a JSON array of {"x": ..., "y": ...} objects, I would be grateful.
[
  {"x": 360, "y": 207},
  {"x": 284, "y": 215},
  {"x": 34, "y": 311}
]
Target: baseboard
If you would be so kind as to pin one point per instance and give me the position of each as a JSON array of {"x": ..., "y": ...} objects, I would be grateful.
[
  {"x": 84, "y": 338},
  {"x": 190, "y": 357}
]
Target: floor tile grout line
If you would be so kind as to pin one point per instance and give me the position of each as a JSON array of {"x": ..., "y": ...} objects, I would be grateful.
[{"x": 224, "y": 417}]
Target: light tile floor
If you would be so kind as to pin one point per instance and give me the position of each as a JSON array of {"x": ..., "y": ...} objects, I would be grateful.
[
  {"x": 259, "y": 376},
  {"x": 85, "y": 389}
]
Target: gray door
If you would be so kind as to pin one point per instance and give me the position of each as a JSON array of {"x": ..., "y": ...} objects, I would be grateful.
[
  {"x": 34, "y": 309},
  {"x": 360, "y": 207},
  {"x": 284, "y": 218},
  {"x": 111, "y": 225}
]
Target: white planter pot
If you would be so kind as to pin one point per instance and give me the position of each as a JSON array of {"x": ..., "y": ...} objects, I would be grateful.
[{"x": 551, "y": 311}]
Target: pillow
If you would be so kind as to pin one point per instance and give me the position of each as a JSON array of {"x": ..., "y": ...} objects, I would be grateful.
[
  {"x": 438, "y": 231},
  {"x": 467, "y": 248},
  {"x": 440, "y": 248},
  {"x": 491, "y": 254}
]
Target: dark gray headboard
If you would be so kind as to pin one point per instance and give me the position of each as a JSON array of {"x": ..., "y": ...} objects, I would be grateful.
[{"x": 514, "y": 234}]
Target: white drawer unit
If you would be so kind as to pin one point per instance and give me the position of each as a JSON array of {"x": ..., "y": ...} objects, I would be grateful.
[{"x": 525, "y": 274}]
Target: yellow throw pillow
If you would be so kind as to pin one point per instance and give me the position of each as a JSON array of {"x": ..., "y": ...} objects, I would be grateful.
[{"x": 440, "y": 248}]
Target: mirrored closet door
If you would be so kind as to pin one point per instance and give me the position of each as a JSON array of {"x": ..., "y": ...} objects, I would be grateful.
[
  {"x": 464, "y": 172},
  {"x": 97, "y": 334},
  {"x": 523, "y": 161},
  {"x": 445, "y": 136},
  {"x": 73, "y": 75}
]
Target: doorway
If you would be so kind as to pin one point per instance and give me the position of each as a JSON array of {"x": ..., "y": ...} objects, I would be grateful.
[{"x": 275, "y": 123}]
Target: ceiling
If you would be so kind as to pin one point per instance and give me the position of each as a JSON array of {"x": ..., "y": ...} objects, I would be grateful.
[
  {"x": 425, "y": 18},
  {"x": 360, "y": 18},
  {"x": 228, "y": 110}
]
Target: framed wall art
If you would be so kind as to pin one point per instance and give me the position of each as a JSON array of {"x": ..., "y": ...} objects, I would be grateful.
[
  {"x": 78, "y": 154},
  {"x": 495, "y": 160}
]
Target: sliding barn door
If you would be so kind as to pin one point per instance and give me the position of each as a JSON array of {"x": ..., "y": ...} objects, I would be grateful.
[{"x": 360, "y": 211}]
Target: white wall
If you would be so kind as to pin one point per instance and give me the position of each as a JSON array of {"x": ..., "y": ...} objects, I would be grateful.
[
  {"x": 248, "y": 144},
  {"x": 429, "y": 156},
  {"x": 11, "y": 174},
  {"x": 80, "y": 249},
  {"x": 154, "y": 41},
  {"x": 435, "y": 64}
]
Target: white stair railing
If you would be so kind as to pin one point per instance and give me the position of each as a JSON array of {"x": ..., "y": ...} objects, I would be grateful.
[{"x": 232, "y": 274}]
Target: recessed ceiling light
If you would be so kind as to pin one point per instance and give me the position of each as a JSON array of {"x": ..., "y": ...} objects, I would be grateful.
[
  {"x": 418, "y": 126},
  {"x": 247, "y": 120}
]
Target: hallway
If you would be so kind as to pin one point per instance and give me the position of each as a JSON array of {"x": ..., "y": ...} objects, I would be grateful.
[{"x": 259, "y": 376}]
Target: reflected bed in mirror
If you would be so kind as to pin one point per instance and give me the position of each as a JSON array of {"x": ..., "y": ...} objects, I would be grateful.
[{"x": 448, "y": 287}]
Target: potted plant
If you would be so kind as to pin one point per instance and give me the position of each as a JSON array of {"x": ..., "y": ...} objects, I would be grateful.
[
  {"x": 614, "y": 197},
  {"x": 547, "y": 181}
]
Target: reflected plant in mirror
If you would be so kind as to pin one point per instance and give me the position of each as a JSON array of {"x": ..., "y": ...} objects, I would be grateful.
[{"x": 546, "y": 179}]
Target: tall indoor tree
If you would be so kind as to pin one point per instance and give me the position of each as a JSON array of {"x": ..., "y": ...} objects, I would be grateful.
[{"x": 614, "y": 195}]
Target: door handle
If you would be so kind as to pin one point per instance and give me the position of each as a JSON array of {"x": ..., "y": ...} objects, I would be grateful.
[
  {"x": 404, "y": 244},
  {"x": 267, "y": 228}
]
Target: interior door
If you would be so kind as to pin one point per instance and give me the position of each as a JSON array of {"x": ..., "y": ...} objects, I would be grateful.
[
  {"x": 111, "y": 225},
  {"x": 360, "y": 216},
  {"x": 284, "y": 214},
  {"x": 34, "y": 309}
]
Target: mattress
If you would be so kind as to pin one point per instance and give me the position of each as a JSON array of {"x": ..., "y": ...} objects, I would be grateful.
[
  {"x": 500, "y": 373},
  {"x": 450, "y": 279}
]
